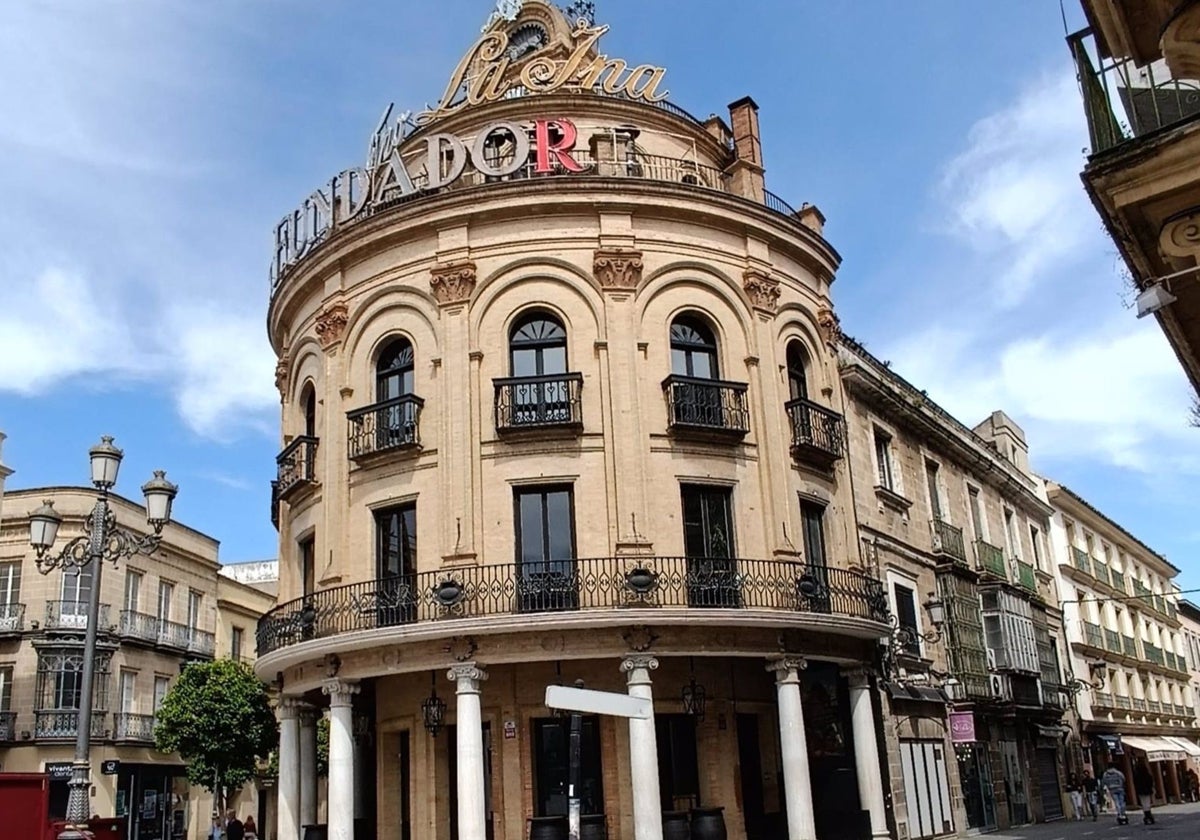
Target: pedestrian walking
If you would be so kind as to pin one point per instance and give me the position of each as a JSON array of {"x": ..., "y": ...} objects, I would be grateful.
[
  {"x": 1193, "y": 783},
  {"x": 1075, "y": 791},
  {"x": 1114, "y": 784},
  {"x": 216, "y": 831},
  {"x": 234, "y": 830},
  {"x": 1091, "y": 791},
  {"x": 251, "y": 828},
  {"x": 1143, "y": 783}
]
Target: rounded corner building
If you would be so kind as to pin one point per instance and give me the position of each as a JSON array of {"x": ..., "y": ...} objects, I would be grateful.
[{"x": 561, "y": 403}]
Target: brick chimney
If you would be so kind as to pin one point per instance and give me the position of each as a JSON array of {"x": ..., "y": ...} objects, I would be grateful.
[{"x": 747, "y": 168}]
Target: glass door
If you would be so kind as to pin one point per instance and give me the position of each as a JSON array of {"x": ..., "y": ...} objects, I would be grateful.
[
  {"x": 708, "y": 547},
  {"x": 76, "y": 597}
]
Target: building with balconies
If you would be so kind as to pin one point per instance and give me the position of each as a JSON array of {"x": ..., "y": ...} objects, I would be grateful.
[
  {"x": 1129, "y": 655},
  {"x": 1138, "y": 64},
  {"x": 560, "y": 402},
  {"x": 156, "y": 614},
  {"x": 952, "y": 522}
]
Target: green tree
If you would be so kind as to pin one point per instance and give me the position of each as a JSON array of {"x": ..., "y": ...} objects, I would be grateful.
[{"x": 218, "y": 718}]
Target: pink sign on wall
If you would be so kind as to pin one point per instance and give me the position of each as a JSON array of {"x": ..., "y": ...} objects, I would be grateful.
[{"x": 962, "y": 727}]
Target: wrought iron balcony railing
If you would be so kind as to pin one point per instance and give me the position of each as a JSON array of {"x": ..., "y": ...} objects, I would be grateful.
[
  {"x": 72, "y": 615},
  {"x": 140, "y": 626},
  {"x": 1123, "y": 703},
  {"x": 12, "y": 618},
  {"x": 1100, "y": 571},
  {"x": 1112, "y": 640},
  {"x": 948, "y": 540},
  {"x": 706, "y": 405},
  {"x": 1118, "y": 580},
  {"x": 1103, "y": 699},
  {"x": 275, "y": 503},
  {"x": 1093, "y": 635},
  {"x": 296, "y": 464},
  {"x": 1139, "y": 704},
  {"x": 8, "y": 727},
  {"x": 201, "y": 643},
  {"x": 990, "y": 559},
  {"x": 1129, "y": 646},
  {"x": 1123, "y": 101},
  {"x": 539, "y": 402},
  {"x": 1153, "y": 653},
  {"x": 606, "y": 583},
  {"x": 63, "y": 723},
  {"x": 1153, "y": 706},
  {"x": 1081, "y": 560},
  {"x": 393, "y": 424},
  {"x": 818, "y": 433},
  {"x": 128, "y": 726},
  {"x": 173, "y": 634},
  {"x": 1026, "y": 577}
]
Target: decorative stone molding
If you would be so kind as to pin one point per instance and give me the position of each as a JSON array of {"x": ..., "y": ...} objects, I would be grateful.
[
  {"x": 617, "y": 268},
  {"x": 787, "y": 668},
  {"x": 1180, "y": 235},
  {"x": 331, "y": 323},
  {"x": 1180, "y": 42},
  {"x": 857, "y": 677},
  {"x": 639, "y": 638},
  {"x": 282, "y": 368},
  {"x": 452, "y": 282},
  {"x": 288, "y": 707},
  {"x": 638, "y": 662},
  {"x": 762, "y": 288},
  {"x": 467, "y": 676},
  {"x": 830, "y": 326},
  {"x": 461, "y": 648},
  {"x": 340, "y": 692},
  {"x": 309, "y": 715}
]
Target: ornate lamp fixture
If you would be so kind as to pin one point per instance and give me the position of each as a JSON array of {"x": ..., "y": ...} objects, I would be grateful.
[
  {"x": 693, "y": 695},
  {"x": 1097, "y": 670},
  {"x": 433, "y": 708},
  {"x": 902, "y": 639}
]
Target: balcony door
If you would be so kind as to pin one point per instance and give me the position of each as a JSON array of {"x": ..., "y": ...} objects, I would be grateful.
[
  {"x": 396, "y": 564},
  {"x": 708, "y": 546},
  {"x": 76, "y": 596},
  {"x": 551, "y": 744},
  {"x": 546, "y": 579},
  {"x": 10, "y": 596},
  {"x": 193, "y": 613},
  {"x": 537, "y": 350},
  {"x": 394, "y": 379}
]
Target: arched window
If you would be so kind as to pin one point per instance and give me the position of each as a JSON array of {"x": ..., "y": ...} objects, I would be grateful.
[
  {"x": 538, "y": 346},
  {"x": 394, "y": 371},
  {"x": 693, "y": 349},
  {"x": 308, "y": 402},
  {"x": 797, "y": 374}
]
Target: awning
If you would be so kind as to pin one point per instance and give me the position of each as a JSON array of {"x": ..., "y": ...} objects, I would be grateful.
[
  {"x": 1156, "y": 748},
  {"x": 920, "y": 693},
  {"x": 1184, "y": 744}
]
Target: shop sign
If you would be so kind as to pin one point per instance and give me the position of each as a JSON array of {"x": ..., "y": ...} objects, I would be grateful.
[
  {"x": 962, "y": 727},
  {"x": 58, "y": 770},
  {"x": 352, "y": 192},
  {"x": 110, "y": 767},
  {"x": 510, "y": 730}
]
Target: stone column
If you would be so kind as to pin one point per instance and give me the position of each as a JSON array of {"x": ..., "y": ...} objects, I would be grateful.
[
  {"x": 797, "y": 787},
  {"x": 289, "y": 770},
  {"x": 472, "y": 813},
  {"x": 866, "y": 751},
  {"x": 340, "y": 802},
  {"x": 308, "y": 766},
  {"x": 643, "y": 752}
]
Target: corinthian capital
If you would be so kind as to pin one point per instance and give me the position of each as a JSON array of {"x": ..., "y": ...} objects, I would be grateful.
[
  {"x": 331, "y": 323},
  {"x": 617, "y": 268},
  {"x": 452, "y": 282}
]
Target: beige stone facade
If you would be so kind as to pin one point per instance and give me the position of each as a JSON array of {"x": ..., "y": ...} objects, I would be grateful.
[
  {"x": 612, "y": 431},
  {"x": 1127, "y": 643},
  {"x": 157, "y": 613}
]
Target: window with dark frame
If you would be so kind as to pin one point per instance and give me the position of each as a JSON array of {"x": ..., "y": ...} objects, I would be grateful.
[
  {"x": 394, "y": 370},
  {"x": 906, "y": 615},
  {"x": 537, "y": 353},
  {"x": 976, "y": 505},
  {"x": 309, "y": 401},
  {"x": 551, "y": 743},
  {"x": 235, "y": 644},
  {"x": 396, "y": 564},
  {"x": 883, "y": 459},
  {"x": 797, "y": 371},
  {"x": 308, "y": 564},
  {"x": 709, "y": 545},
  {"x": 935, "y": 497},
  {"x": 693, "y": 349},
  {"x": 545, "y": 547},
  {"x": 812, "y": 517},
  {"x": 1035, "y": 538}
]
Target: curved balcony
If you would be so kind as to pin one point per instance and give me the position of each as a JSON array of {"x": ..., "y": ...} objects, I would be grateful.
[
  {"x": 539, "y": 402},
  {"x": 296, "y": 465},
  {"x": 665, "y": 584},
  {"x": 387, "y": 426},
  {"x": 818, "y": 433}
]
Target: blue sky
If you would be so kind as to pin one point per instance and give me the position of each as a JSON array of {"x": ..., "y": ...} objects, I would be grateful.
[{"x": 148, "y": 149}]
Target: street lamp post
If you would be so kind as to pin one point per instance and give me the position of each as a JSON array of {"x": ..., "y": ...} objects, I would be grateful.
[{"x": 102, "y": 540}]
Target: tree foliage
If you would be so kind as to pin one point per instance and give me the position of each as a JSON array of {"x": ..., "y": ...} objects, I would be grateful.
[{"x": 218, "y": 718}]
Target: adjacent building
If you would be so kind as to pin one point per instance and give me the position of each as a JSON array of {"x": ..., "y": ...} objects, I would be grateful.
[
  {"x": 1138, "y": 64},
  {"x": 157, "y": 614},
  {"x": 1129, "y": 650},
  {"x": 952, "y": 521}
]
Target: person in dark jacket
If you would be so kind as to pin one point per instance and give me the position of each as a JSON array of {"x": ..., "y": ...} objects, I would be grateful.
[
  {"x": 234, "y": 830},
  {"x": 1143, "y": 783},
  {"x": 1091, "y": 790}
]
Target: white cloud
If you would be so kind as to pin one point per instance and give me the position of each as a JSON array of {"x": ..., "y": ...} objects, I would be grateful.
[{"x": 1013, "y": 194}]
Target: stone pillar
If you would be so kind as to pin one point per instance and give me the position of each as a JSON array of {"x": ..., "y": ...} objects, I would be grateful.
[
  {"x": 643, "y": 752},
  {"x": 340, "y": 803},
  {"x": 289, "y": 770},
  {"x": 797, "y": 787},
  {"x": 472, "y": 813},
  {"x": 866, "y": 751},
  {"x": 1174, "y": 794},
  {"x": 308, "y": 766}
]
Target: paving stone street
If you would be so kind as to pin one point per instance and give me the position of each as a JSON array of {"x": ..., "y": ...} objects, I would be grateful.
[{"x": 1172, "y": 822}]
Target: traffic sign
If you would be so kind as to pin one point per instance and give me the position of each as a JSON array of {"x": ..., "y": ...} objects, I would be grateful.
[{"x": 598, "y": 702}]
